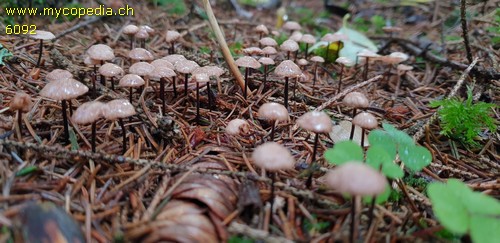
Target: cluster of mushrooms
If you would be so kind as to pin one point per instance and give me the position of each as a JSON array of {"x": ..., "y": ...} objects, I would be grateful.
[{"x": 356, "y": 179}]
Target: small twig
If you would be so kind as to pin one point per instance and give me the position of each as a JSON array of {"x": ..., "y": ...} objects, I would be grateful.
[
  {"x": 78, "y": 26},
  {"x": 465, "y": 33}
]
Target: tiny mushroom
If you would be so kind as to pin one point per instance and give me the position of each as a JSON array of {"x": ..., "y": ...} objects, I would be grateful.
[
  {"x": 171, "y": 37},
  {"x": 296, "y": 36},
  {"x": 402, "y": 69},
  {"x": 162, "y": 72},
  {"x": 261, "y": 30},
  {"x": 356, "y": 179},
  {"x": 266, "y": 61},
  {"x": 289, "y": 46},
  {"x": 317, "y": 60},
  {"x": 111, "y": 70},
  {"x": 142, "y": 69},
  {"x": 344, "y": 62},
  {"x": 252, "y": 51},
  {"x": 287, "y": 69},
  {"x": 364, "y": 120},
  {"x": 57, "y": 74},
  {"x": 268, "y": 41},
  {"x": 317, "y": 122},
  {"x": 269, "y": 50},
  {"x": 21, "y": 102},
  {"x": 247, "y": 62},
  {"x": 273, "y": 157},
  {"x": 173, "y": 59},
  {"x": 237, "y": 127},
  {"x": 100, "y": 53},
  {"x": 41, "y": 35},
  {"x": 355, "y": 100},
  {"x": 142, "y": 35},
  {"x": 211, "y": 71},
  {"x": 131, "y": 81},
  {"x": 186, "y": 67},
  {"x": 308, "y": 40},
  {"x": 62, "y": 90},
  {"x": 119, "y": 109},
  {"x": 365, "y": 55},
  {"x": 273, "y": 112},
  {"x": 291, "y": 26},
  {"x": 130, "y": 30},
  {"x": 87, "y": 113},
  {"x": 199, "y": 78},
  {"x": 140, "y": 54}
]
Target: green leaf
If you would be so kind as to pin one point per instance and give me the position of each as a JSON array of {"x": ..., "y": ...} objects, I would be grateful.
[
  {"x": 382, "y": 138},
  {"x": 414, "y": 157},
  {"x": 393, "y": 171},
  {"x": 482, "y": 204},
  {"x": 485, "y": 229},
  {"x": 73, "y": 140},
  {"x": 448, "y": 208},
  {"x": 377, "y": 157},
  {"x": 27, "y": 170},
  {"x": 382, "y": 198},
  {"x": 399, "y": 137},
  {"x": 344, "y": 151}
]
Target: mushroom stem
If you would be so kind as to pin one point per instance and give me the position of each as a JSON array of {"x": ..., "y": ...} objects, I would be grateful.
[
  {"x": 172, "y": 48},
  {"x": 65, "y": 121},
  {"x": 273, "y": 179},
  {"x": 162, "y": 94},
  {"x": 398, "y": 84},
  {"x": 354, "y": 221},
  {"x": 351, "y": 135},
  {"x": 185, "y": 84},
  {"x": 103, "y": 79},
  {"x": 93, "y": 137},
  {"x": 130, "y": 94},
  {"x": 362, "y": 137},
  {"x": 295, "y": 88},
  {"x": 288, "y": 55},
  {"x": 296, "y": 55},
  {"x": 40, "y": 53},
  {"x": 340, "y": 77},
  {"x": 124, "y": 135},
  {"x": 265, "y": 75},
  {"x": 327, "y": 51},
  {"x": 315, "y": 75},
  {"x": 198, "y": 103},
  {"x": 286, "y": 93},
  {"x": 175, "y": 88},
  {"x": 19, "y": 124},
  {"x": 70, "y": 108},
  {"x": 306, "y": 50},
  {"x": 272, "y": 130},
  {"x": 131, "y": 42},
  {"x": 246, "y": 83},
  {"x": 372, "y": 207},
  {"x": 94, "y": 91},
  {"x": 209, "y": 94},
  {"x": 112, "y": 83},
  {"x": 313, "y": 163}
]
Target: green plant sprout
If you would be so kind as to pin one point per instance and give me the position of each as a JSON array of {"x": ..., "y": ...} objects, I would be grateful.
[
  {"x": 461, "y": 210},
  {"x": 464, "y": 120},
  {"x": 4, "y": 54}
]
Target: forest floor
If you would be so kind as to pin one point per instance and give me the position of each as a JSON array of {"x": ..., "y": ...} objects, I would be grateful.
[{"x": 188, "y": 181}]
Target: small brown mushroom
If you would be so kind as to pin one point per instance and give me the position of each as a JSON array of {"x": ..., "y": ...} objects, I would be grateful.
[
  {"x": 289, "y": 46},
  {"x": 21, "y": 102},
  {"x": 237, "y": 127},
  {"x": 162, "y": 72},
  {"x": 130, "y": 30},
  {"x": 355, "y": 100},
  {"x": 273, "y": 112},
  {"x": 131, "y": 81},
  {"x": 119, "y": 109},
  {"x": 87, "y": 113},
  {"x": 308, "y": 40},
  {"x": 364, "y": 120},
  {"x": 171, "y": 37},
  {"x": 41, "y": 35},
  {"x": 287, "y": 69},
  {"x": 185, "y": 67},
  {"x": 247, "y": 62},
  {"x": 344, "y": 62},
  {"x": 111, "y": 70}
]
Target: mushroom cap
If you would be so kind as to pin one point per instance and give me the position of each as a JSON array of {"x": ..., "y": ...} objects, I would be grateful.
[
  {"x": 394, "y": 58},
  {"x": 130, "y": 29},
  {"x": 317, "y": 59},
  {"x": 307, "y": 38},
  {"x": 252, "y": 51},
  {"x": 357, "y": 179},
  {"x": 186, "y": 66},
  {"x": 291, "y": 25},
  {"x": 302, "y": 62},
  {"x": 174, "y": 58},
  {"x": 315, "y": 121},
  {"x": 289, "y": 45},
  {"x": 345, "y": 61},
  {"x": 402, "y": 56},
  {"x": 269, "y": 50},
  {"x": 21, "y": 101},
  {"x": 211, "y": 71},
  {"x": 247, "y": 62},
  {"x": 288, "y": 69},
  {"x": 141, "y": 34},
  {"x": 367, "y": 54},
  {"x": 237, "y": 127},
  {"x": 268, "y": 41},
  {"x": 365, "y": 120},
  {"x": 131, "y": 80},
  {"x": 261, "y": 29},
  {"x": 101, "y": 52},
  {"x": 147, "y": 28},
  {"x": 266, "y": 61},
  {"x": 88, "y": 112},
  {"x": 141, "y": 68},
  {"x": 172, "y": 35},
  {"x": 162, "y": 63},
  {"x": 116, "y": 109},
  {"x": 328, "y": 37},
  {"x": 356, "y": 100},
  {"x": 140, "y": 54},
  {"x": 162, "y": 72},
  {"x": 57, "y": 74},
  {"x": 402, "y": 67},
  {"x": 273, "y": 156},
  {"x": 273, "y": 112},
  {"x": 42, "y": 35},
  {"x": 200, "y": 78},
  {"x": 296, "y": 36},
  {"x": 91, "y": 62},
  {"x": 110, "y": 70},
  {"x": 63, "y": 89}
]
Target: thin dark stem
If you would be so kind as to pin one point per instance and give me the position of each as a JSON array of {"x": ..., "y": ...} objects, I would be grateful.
[
  {"x": 70, "y": 108},
  {"x": 273, "y": 127},
  {"x": 273, "y": 179},
  {"x": 93, "y": 136},
  {"x": 103, "y": 79},
  {"x": 265, "y": 76},
  {"x": 198, "y": 103},
  {"x": 351, "y": 135},
  {"x": 327, "y": 51},
  {"x": 162, "y": 94},
  {"x": 20, "y": 121},
  {"x": 175, "y": 88},
  {"x": 131, "y": 42},
  {"x": 112, "y": 83},
  {"x": 124, "y": 135},
  {"x": 143, "y": 43},
  {"x": 294, "y": 88},
  {"x": 313, "y": 162},
  {"x": 172, "y": 48},
  {"x": 65, "y": 121},
  {"x": 315, "y": 75},
  {"x": 362, "y": 137},
  {"x": 465, "y": 33},
  {"x": 353, "y": 220},
  {"x": 288, "y": 55},
  {"x": 94, "y": 90},
  {"x": 186, "y": 84},
  {"x": 40, "y": 54},
  {"x": 398, "y": 84},
  {"x": 286, "y": 92},
  {"x": 306, "y": 51},
  {"x": 209, "y": 94},
  {"x": 315, "y": 148},
  {"x": 246, "y": 83},
  {"x": 130, "y": 94}
]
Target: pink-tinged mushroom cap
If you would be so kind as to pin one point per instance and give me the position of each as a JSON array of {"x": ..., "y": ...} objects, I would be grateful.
[
  {"x": 365, "y": 120},
  {"x": 269, "y": 50},
  {"x": 252, "y": 51},
  {"x": 21, "y": 101},
  {"x": 141, "y": 68},
  {"x": 356, "y": 179},
  {"x": 110, "y": 70},
  {"x": 317, "y": 59},
  {"x": 63, "y": 89},
  {"x": 172, "y": 36},
  {"x": 345, "y": 61},
  {"x": 307, "y": 38},
  {"x": 273, "y": 112},
  {"x": 174, "y": 58},
  {"x": 302, "y": 62},
  {"x": 296, "y": 36},
  {"x": 315, "y": 121},
  {"x": 162, "y": 72},
  {"x": 261, "y": 29},
  {"x": 356, "y": 100},
  {"x": 116, "y": 109},
  {"x": 212, "y": 71},
  {"x": 42, "y": 35},
  {"x": 247, "y": 62},
  {"x": 273, "y": 157},
  {"x": 186, "y": 66},
  {"x": 131, "y": 80},
  {"x": 141, "y": 34},
  {"x": 289, "y": 45},
  {"x": 88, "y": 113},
  {"x": 90, "y": 62},
  {"x": 291, "y": 26},
  {"x": 57, "y": 74},
  {"x": 288, "y": 68},
  {"x": 200, "y": 78},
  {"x": 268, "y": 41},
  {"x": 140, "y": 54},
  {"x": 237, "y": 127},
  {"x": 130, "y": 29},
  {"x": 101, "y": 52},
  {"x": 266, "y": 61},
  {"x": 162, "y": 63}
]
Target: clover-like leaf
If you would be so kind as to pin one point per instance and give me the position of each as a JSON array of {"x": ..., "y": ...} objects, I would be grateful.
[
  {"x": 485, "y": 229},
  {"x": 382, "y": 198},
  {"x": 344, "y": 151},
  {"x": 448, "y": 208},
  {"x": 384, "y": 139},
  {"x": 399, "y": 137},
  {"x": 392, "y": 171},
  {"x": 415, "y": 157}
]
